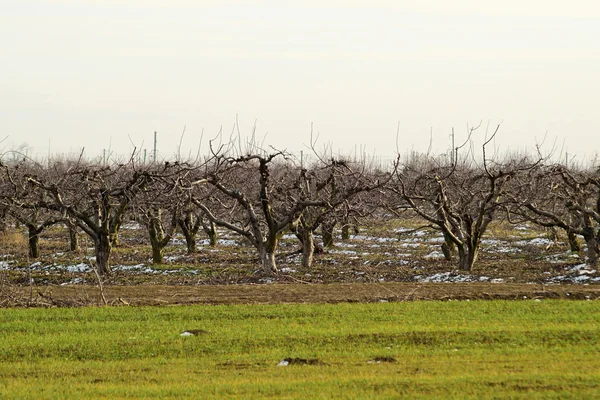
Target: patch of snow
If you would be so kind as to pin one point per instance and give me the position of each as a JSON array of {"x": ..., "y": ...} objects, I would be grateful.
[
  {"x": 287, "y": 270},
  {"x": 578, "y": 268},
  {"x": 439, "y": 239},
  {"x": 410, "y": 245},
  {"x": 227, "y": 242},
  {"x": 435, "y": 254},
  {"x": 73, "y": 281},
  {"x": 448, "y": 277},
  {"x": 131, "y": 225},
  {"x": 283, "y": 363},
  {"x": 534, "y": 242},
  {"x": 347, "y": 252},
  {"x": 81, "y": 267},
  {"x": 138, "y": 268},
  {"x": 491, "y": 242},
  {"x": 505, "y": 250},
  {"x": 373, "y": 238},
  {"x": 4, "y": 265},
  {"x": 541, "y": 242}
]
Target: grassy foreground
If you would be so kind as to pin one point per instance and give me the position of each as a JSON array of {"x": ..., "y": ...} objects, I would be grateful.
[{"x": 477, "y": 349}]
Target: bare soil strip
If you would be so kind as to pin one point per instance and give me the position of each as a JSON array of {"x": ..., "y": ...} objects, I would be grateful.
[{"x": 83, "y": 295}]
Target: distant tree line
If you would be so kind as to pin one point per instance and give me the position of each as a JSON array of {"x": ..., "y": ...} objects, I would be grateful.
[{"x": 263, "y": 194}]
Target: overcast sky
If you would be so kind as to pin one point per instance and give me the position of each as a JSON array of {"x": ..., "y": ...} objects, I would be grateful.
[{"x": 108, "y": 73}]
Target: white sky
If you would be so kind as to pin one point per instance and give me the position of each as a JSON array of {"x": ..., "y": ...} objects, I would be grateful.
[{"x": 106, "y": 73}]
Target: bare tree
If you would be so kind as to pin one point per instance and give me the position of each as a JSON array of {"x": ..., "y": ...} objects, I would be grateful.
[
  {"x": 23, "y": 203},
  {"x": 94, "y": 197},
  {"x": 459, "y": 197},
  {"x": 566, "y": 198}
]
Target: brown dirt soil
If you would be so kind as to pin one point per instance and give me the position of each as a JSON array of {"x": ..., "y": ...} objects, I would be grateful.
[{"x": 161, "y": 295}]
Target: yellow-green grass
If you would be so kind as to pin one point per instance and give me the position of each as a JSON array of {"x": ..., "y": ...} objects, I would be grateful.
[{"x": 477, "y": 349}]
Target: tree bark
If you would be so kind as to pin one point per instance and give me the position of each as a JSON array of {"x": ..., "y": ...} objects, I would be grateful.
[
  {"x": 573, "y": 243},
  {"x": 267, "y": 259},
  {"x": 448, "y": 248},
  {"x": 73, "y": 238},
  {"x": 327, "y": 232},
  {"x": 157, "y": 253},
  {"x": 34, "y": 240},
  {"x": 346, "y": 232},
  {"x": 308, "y": 248},
  {"x": 592, "y": 246},
  {"x": 158, "y": 238},
  {"x": 103, "y": 249},
  {"x": 467, "y": 256},
  {"x": 211, "y": 231},
  {"x": 190, "y": 241}
]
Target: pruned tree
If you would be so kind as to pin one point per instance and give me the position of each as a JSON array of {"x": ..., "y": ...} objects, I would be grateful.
[
  {"x": 94, "y": 197},
  {"x": 567, "y": 198},
  {"x": 460, "y": 197},
  {"x": 261, "y": 222},
  {"x": 23, "y": 203}
]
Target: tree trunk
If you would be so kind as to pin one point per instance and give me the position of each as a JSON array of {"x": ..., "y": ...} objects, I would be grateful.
[
  {"x": 327, "y": 232},
  {"x": 157, "y": 253},
  {"x": 573, "y": 243},
  {"x": 448, "y": 248},
  {"x": 346, "y": 232},
  {"x": 268, "y": 261},
  {"x": 592, "y": 246},
  {"x": 211, "y": 231},
  {"x": 308, "y": 248},
  {"x": 467, "y": 256},
  {"x": 158, "y": 239},
  {"x": 190, "y": 241},
  {"x": 73, "y": 238},
  {"x": 103, "y": 249},
  {"x": 34, "y": 240},
  {"x": 114, "y": 239}
]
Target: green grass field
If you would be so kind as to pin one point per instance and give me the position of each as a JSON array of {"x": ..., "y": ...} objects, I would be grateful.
[{"x": 477, "y": 349}]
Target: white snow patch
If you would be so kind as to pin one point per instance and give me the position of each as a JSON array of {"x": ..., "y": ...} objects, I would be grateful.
[
  {"x": 435, "y": 254},
  {"x": 439, "y": 239},
  {"x": 227, "y": 242},
  {"x": 287, "y": 270},
  {"x": 410, "y": 245},
  {"x": 4, "y": 265},
  {"x": 347, "y": 252},
  {"x": 138, "y": 267},
  {"x": 131, "y": 225},
  {"x": 448, "y": 277},
  {"x": 81, "y": 267},
  {"x": 73, "y": 281}
]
